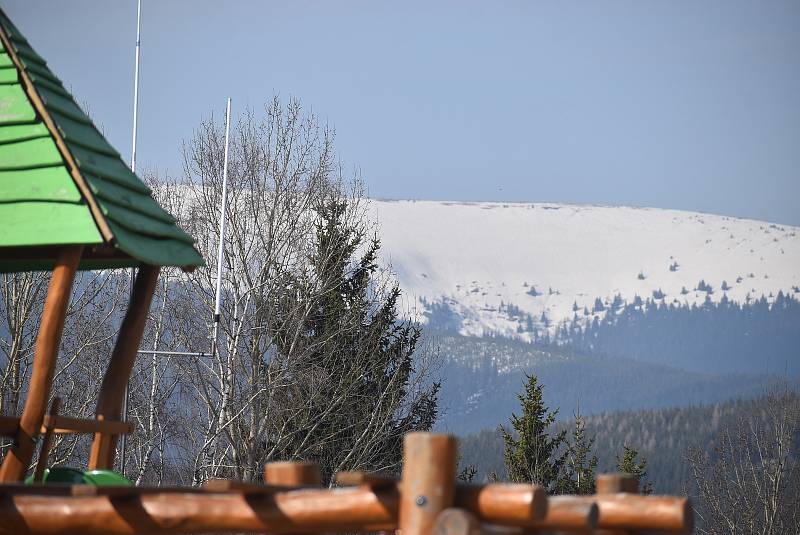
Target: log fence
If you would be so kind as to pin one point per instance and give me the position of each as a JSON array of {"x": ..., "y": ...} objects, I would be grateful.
[{"x": 425, "y": 500}]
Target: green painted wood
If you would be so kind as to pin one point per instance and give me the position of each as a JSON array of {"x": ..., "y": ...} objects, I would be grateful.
[
  {"x": 29, "y": 154},
  {"x": 46, "y": 223},
  {"x": 47, "y": 83},
  {"x": 11, "y": 265},
  {"x": 8, "y": 76},
  {"x": 157, "y": 252},
  {"x": 142, "y": 224},
  {"x": 48, "y": 184},
  {"x": 21, "y": 132},
  {"x": 106, "y": 167},
  {"x": 82, "y": 134},
  {"x": 65, "y": 106},
  {"x": 24, "y": 50},
  {"x": 40, "y": 204},
  {"x": 14, "y": 105},
  {"x": 41, "y": 71},
  {"x": 144, "y": 204}
]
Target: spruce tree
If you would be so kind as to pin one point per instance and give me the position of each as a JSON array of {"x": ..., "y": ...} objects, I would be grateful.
[
  {"x": 628, "y": 464},
  {"x": 581, "y": 461},
  {"x": 351, "y": 359},
  {"x": 531, "y": 454}
]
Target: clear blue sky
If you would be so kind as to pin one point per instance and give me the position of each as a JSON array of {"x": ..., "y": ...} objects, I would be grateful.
[{"x": 678, "y": 104}]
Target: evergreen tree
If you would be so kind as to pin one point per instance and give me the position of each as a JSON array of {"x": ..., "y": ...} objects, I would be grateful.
[
  {"x": 531, "y": 454},
  {"x": 581, "y": 461},
  {"x": 352, "y": 358},
  {"x": 628, "y": 464}
]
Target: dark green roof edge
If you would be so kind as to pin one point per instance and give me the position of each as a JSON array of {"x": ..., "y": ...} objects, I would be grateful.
[{"x": 140, "y": 227}]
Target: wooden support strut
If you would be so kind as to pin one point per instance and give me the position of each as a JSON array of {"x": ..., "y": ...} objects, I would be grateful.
[
  {"x": 48, "y": 341},
  {"x": 112, "y": 390},
  {"x": 428, "y": 482}
]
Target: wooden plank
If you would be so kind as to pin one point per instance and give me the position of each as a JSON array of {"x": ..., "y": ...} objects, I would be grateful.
[
  {"x": 318, "y": 510},
  {"x": 64, "y": 425},
  {"x": 354, "y": 479},
  {"x": 47, "y": 441},
  {"x": 36, "y": 100},
  {"x": 134, "y": 200},
  {"x": 634, "y": 512},
  {"x": 63, "y": 105},
  {"x": 48, "y": 184},
  {"x": 48, "y": 341},
  {"x": 112, "y": 390},
  {"x": 46, "y": 223},
  {"x": 14, "y": 105},
  {"x": 5, "y": 61},
  {"x": 142, "y": 224},
  {"x": 107, "y": 167},
  {"x": 29, "y": 154},
  {"x": 9, "y": 426},
  {"x": 292, "y": 473},
  {"x": 8, "y": 76},
  {"x": 82, "y": 134},
  {"x": 455, "y": 521},
  {"x": 156, "y": 251},
  {"x": 226, "y": 485},
  {"x": 515, "y": 504},
  {"x": 429, "y": 471},
  {"x": 22, "y": 132}
]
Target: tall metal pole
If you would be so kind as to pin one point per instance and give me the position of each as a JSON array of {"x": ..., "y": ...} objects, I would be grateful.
[
  {"x": 222, "y": 218},
  {"x": 124, "y": 440}
]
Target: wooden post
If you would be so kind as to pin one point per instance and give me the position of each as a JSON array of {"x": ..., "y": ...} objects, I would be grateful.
[
  {"x": 47, "y": 441},
  {"x": 112, "y": 390},
  {"x": 613, "y": 484},
  {"x": 455, "y": 521},
  {"x": 428, "y": 483},
  {"x": 45, "y": 356},
  {"x": 293, "y": 474}
]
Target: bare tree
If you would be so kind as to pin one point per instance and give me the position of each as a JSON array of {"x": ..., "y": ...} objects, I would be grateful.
[
  {"x": 245, "y": 403},
  {"x": 750, "y": 482}
]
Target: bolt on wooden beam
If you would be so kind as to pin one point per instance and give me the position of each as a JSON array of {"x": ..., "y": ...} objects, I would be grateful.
[{"x": 428, "y": 481}]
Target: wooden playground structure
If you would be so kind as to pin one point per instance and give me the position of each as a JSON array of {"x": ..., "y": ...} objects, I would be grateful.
[{"x": 68, "y": 202}]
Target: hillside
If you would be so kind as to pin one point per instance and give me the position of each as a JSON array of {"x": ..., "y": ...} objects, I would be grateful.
[
  {"x": 661, "y": 435},
  {"x": 517, "y": 269},
  {"x": 482, "y": 376}
]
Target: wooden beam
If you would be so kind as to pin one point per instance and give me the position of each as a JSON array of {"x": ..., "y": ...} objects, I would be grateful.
[
  {"x": 428, "y": 482},
  {"x": 320, "y": 510},
  {"x": 634, "y": 512},
  {"x": 292, "y": 474},
  {"x": 64, "y": 425},
  {"x": 9, "y": 426},
  {"x": 115, "y": 381},
  {"x": 48, "y": 341},
  {"x": 514, "y": 504},
  {"x": 455, "y": 521},
  {"x": 47, "y": 441}
]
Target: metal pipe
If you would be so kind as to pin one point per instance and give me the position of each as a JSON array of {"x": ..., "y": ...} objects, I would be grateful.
[
  {"x": 177, "y": 353},
  {"x": 124, "y": 441},
  {"x": 222, "y": 218}
]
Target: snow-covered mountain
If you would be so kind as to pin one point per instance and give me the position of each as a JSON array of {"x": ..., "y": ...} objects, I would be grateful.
[{"x": 491, "y": 262}]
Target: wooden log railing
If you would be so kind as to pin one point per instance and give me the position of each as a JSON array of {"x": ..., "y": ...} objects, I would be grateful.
[{"x": 425, "y": 500}]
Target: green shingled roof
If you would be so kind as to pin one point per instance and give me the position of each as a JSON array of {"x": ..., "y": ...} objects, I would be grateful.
[{"x": 62, "y": 183}]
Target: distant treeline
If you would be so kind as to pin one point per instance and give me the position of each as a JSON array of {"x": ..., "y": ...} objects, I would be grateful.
[
  {"x": 759, "y": 336},
  {"x": 754, "y": 337},
  {"x": 662, "y": 436}
]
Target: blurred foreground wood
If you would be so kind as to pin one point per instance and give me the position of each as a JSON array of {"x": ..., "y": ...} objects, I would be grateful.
[{"x": 426, "y": 500}]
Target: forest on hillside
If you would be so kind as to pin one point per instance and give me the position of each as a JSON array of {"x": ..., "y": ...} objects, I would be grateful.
[{"x": 662, "y": 436}]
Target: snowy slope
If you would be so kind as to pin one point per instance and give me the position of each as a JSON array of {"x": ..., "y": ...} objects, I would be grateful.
[{"x": 475, "y": 256}]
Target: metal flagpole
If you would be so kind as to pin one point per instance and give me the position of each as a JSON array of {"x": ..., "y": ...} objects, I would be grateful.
[
  {"x": 222, "y": 218},
  {"x": 124, "y": 439}
]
